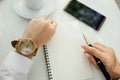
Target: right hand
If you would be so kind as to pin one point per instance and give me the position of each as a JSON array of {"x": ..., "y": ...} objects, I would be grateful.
[
  {"x": 40, "y": 30},
  {"x": 106, "y": 55}
]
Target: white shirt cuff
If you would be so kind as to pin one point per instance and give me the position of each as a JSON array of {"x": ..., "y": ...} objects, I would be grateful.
[{"x": 18, "y": 62}]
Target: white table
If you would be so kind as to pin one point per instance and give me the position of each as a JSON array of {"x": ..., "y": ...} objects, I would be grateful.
[{"x": 12, "y": 27}]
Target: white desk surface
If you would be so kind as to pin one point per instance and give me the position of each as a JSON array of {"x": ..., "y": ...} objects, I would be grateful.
[{"x": 12, "y": 27}]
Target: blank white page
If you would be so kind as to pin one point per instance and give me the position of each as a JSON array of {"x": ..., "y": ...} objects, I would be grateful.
[{"x": 67, "y": 59}]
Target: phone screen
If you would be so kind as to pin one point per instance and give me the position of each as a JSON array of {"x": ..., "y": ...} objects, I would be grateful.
[{"x": 85, "y": 14}]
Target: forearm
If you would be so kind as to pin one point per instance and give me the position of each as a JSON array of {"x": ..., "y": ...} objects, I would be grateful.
[{"x": 15, "y": 67}]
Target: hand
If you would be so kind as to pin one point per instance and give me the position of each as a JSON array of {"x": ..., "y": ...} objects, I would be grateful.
[
  {"x": 106, "y": 55},
  {"x": 40, "y": 30}
]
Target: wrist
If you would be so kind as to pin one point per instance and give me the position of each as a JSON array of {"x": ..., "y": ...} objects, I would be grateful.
[
  {"x": 26, "y": 47},
  {"x": 34, "y": 40}
]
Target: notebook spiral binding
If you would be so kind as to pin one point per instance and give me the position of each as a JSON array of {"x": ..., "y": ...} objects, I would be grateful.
[{"x": 50, "y": 77}]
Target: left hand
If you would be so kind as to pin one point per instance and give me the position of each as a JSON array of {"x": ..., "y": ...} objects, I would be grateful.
[{"x": 40, "y": 30}]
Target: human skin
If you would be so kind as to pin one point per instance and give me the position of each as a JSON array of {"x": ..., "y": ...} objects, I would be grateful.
[{"x": 106, "y": 55}]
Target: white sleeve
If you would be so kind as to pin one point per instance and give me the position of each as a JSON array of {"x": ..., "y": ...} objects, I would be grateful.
[{"x": 15, "y": 67}]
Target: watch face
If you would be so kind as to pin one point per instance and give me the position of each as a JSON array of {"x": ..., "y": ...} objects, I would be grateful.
[{"x": 26, "y": 46}]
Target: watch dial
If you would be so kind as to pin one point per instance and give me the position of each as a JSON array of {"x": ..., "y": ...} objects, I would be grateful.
[{"x": 26, "y": 46}]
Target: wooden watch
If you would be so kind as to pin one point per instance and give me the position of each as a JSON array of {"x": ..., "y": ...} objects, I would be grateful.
[{"x": 25, "y": 47}]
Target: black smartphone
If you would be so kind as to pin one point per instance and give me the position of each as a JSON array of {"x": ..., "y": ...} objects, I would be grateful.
[{"x": 85, "y": 14}]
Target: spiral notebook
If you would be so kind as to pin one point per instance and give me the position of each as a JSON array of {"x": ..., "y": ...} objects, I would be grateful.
[{"x": 64, "y": 57}]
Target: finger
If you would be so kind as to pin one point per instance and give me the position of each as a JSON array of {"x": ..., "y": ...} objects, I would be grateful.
[
  {"x": 54, "y": 24},
  {"x": 91, "y": 60},
  {"x": 100, "y": 44},
  {"x": 101, "y": 47},
  {"x": 53, "y": 27},
  {"x": 93, "y": 51},
  {"x": 50, "y": 20}
]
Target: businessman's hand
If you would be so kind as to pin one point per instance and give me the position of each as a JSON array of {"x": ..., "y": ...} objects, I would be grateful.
[
  {"x": 40, "y": 30},
  {"x": 106, "y": 55}
]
